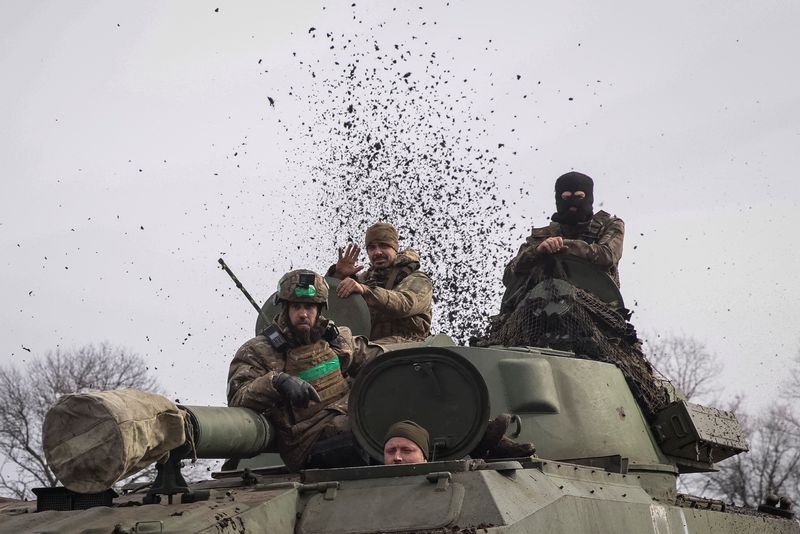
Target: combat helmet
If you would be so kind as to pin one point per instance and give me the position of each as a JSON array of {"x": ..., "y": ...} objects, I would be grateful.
[{"x": 302, "y": 285}]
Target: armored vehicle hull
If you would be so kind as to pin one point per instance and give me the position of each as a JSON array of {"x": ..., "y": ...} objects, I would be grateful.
[
  {"x": 611, "y": 442},
  {"x": 458, "y": 496},
  {"x": 600, "y": 467}
]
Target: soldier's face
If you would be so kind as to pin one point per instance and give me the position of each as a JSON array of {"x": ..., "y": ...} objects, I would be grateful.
[
  {"x": 402, "y": 451},
  {"x": 303, "y": 315},
  {"x": 381, "y": 254}
]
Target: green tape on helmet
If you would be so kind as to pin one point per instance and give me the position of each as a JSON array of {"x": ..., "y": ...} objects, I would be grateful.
[
  {"x": 309, "y": 291},
  {"x": 302, "y": 285}
]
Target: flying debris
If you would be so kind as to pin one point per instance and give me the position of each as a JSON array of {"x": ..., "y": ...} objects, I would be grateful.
[{"x": 415, "y": 154}]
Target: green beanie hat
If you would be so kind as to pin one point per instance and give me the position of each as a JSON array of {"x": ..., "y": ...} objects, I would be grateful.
[{"x": 409, "y": 430}]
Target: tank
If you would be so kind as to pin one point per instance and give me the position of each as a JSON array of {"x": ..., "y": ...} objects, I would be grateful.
[{"x": 604, "y": 461}]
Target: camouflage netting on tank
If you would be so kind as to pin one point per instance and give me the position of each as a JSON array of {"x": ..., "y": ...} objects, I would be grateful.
[{"x": 558, "y": 315}]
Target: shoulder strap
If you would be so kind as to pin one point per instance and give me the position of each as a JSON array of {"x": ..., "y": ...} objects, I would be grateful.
[{"x": 595, "y": 228}]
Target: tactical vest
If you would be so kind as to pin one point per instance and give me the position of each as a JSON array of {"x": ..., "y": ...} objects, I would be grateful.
[
  {"x": 318, "y": 365},
  {"x": 592, "y": 234}
]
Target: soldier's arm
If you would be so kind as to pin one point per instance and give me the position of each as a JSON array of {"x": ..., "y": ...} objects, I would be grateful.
[
  {"x": 354, "y": 352},
  {"x": 250, "y": 380},
  {"x": 606, "y": 252},
  {"x": 513, "y": 266},
  {"x": 412, "y": 296},
  {"x": 527, "y": 256}
]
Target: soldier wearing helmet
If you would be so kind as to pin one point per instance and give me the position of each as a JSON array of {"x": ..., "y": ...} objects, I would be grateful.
[
  {"x": 577, "y": 230},
  {"x": 398, "y": 294},
  {"x": 296, "y": 373}
]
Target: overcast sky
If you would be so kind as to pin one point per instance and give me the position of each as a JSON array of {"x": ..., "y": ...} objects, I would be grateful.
[{"x": 139, "y": 145}]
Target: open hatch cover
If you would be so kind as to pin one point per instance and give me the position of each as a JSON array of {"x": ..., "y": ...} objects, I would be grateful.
[{"x": 432, "y": 386}]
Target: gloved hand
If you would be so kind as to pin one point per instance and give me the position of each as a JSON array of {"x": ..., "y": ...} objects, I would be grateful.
[{"x": 296, "y": 390}]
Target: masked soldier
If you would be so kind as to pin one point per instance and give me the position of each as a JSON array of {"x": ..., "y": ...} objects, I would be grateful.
[
  {"x": 397, "y": 293},
  {"x": 576, "y": 231},
  {"x": 296, "y": 373}
]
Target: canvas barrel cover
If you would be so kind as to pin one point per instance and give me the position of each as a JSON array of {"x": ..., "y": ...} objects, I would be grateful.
[{"x": 92, "y": 440}]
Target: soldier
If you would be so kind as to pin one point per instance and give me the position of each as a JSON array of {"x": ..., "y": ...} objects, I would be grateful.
[
  {"x": 576, "y": 230},
  {"x": 296, "y": 373},
  {"x": 397, "y": 293},
  {"x": 406, "y": 443},
  {"x": 566, "y": 316}
]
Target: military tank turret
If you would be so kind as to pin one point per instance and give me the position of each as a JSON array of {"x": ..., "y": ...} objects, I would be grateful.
[{"x": 604, "y": 463}]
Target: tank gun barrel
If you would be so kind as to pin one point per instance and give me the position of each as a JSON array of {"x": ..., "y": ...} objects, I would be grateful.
[
  {"x": 92, "y": 440},
  {"x": 221, "y": 432}
]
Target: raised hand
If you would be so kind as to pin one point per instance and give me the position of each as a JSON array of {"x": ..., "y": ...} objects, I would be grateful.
[
  {"x": 551, "y": 245},
  {"x": 347, "y": 265}
]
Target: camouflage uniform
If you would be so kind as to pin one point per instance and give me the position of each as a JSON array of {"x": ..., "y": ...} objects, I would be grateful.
[
  {"x": 598, "y": 240},
  {"x": 542, "y": 307},
  {"x": 326, "y": 366},
  {"x": 399, "y": 299}
]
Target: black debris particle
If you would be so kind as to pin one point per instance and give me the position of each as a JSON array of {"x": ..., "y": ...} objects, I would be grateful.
[{"x": 414, "y": 153}]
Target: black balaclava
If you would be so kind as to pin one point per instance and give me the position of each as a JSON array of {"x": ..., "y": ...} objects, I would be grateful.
[{"x": 574, "y": 181}]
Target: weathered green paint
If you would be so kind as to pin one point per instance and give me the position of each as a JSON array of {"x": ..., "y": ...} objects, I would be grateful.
[
  {"x": 228, "y": 432},
  {"x": 571, "y": 408}
]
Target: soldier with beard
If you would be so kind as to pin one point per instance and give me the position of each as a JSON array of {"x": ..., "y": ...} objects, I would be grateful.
[
  {"x": 397, "y": 293},
  {"x": 576, "y": 231},
  {"x": 296, "y": 372}
]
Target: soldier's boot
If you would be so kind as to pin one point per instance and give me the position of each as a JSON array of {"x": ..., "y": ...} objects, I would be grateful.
[
  {"x": 495, "y": 444},
  {"x": 508, "y": 448}
]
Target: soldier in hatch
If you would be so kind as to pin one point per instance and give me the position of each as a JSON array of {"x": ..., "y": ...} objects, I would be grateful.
[
  {"x": 406, "y": 443},
  {"x": 296, "y": 373},
  {"x": 397, "y": 293},
  {"x": 576, "y": 230}
]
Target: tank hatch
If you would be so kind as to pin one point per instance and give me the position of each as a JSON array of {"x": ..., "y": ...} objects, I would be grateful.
[{"x": 433, "y": 386}]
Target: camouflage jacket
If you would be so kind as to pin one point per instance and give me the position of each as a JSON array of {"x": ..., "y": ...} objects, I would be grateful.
[
  {"x": 399, "y": 300},
  {"x": 250, "y": 385},
  {"x": 598, "y": 241}
]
